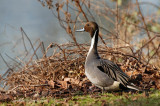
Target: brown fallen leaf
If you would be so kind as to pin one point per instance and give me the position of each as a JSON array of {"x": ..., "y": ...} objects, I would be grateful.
[
  {"x": 64, "y": 84},
  {"x": 129, "y": 73},
  {"x": 36, "y": 95},
  {"x": 51, "y": 83},
  {"x": 68, "y": 79},
  {"x": 72, "y": 80}
]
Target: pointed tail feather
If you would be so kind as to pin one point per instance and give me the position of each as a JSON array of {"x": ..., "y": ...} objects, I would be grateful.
[{"x": 132, "y": 86}]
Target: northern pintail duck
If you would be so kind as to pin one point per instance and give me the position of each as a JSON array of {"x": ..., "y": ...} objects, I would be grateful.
[{"x": 101, "y": 72}]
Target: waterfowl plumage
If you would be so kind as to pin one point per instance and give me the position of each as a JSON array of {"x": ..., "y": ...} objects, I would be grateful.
[{"x": 101, "y": 72}]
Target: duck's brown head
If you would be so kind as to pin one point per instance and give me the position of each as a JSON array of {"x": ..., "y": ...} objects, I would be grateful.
[{"x": 90, "y": 27}]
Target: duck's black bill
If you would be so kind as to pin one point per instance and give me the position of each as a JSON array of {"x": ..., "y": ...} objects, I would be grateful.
[{"x": 80, "y": 30}]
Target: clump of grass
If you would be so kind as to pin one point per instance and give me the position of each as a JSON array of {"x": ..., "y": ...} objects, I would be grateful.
[{"x": 98, "y": 99}]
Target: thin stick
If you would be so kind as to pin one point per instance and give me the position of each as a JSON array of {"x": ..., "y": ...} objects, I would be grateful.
[
  {"x": 34, "y": 52},
  {"x": 154, "y": 54},
  {"x": 29, "y": 41},
  {"x": 80, "y": 9},
  {"x": 150, "y": 40},
  {"x": 145, "y": 26},
  {"x": 25, "y": 48},
  {"x": 43, "y": 49},
  {"x": 5, "y": 62}
]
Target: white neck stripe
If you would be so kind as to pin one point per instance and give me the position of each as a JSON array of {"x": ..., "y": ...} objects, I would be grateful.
[{"x": 92, "y": 42}]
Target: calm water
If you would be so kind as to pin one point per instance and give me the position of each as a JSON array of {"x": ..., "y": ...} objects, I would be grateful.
[{"x": 37, "y": 22}]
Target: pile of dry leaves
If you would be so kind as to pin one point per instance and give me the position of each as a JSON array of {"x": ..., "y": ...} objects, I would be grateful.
[{"x": 62, "y": 74}]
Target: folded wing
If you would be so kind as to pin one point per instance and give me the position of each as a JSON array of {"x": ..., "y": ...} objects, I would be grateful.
[{"x": 113, "y": 71}]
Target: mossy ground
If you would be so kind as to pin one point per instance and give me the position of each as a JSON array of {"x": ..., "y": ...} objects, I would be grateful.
[{"x": 118, "y": 99}]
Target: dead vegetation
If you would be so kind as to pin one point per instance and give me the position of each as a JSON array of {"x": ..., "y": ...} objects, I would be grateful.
[{"x": 62, "y": 73}]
